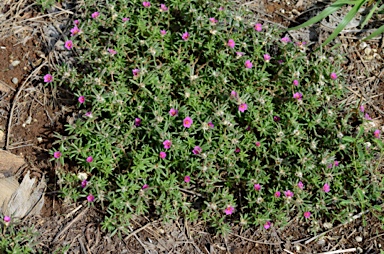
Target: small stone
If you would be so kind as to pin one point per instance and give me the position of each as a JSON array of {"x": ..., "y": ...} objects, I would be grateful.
[
  {"x": 15, "y": 63},
  {"x": 15, "y": 81},
  {"x": 358, "y": 239},
  {"x": 39, "y": 139}
]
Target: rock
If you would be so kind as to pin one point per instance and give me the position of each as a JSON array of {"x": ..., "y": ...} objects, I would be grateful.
[
  {"x": 359, "y": 239},
  {"x": 15, "y": 81},
  {"x": 15, "y": 63},
  {"x": 2, "y": 135},
  {"x": 9, "y": 164}
]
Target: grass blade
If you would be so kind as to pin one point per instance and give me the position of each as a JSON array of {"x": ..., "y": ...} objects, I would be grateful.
[
  {"x": 369, "y": 16},
  {"x": 379, "y": 31}
]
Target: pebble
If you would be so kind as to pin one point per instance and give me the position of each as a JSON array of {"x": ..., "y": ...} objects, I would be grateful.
[
  {"x": 359, "y": 239},
  {"x": 15, "y": 63},
  {"x": 15, "y": 81}
]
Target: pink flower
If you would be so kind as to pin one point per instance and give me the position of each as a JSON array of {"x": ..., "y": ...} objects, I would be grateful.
[
  {"x": 233, "y": 94},
  {"x": 276, "y": 119},
  {"x": 221, "y": 8},
  {"x": 75, "y": 31},
  {"x": 185, "y": 36},
  {"x": 336, "y": 163},
  {"x": 145, "y": 186},
  {"x": 95, "y": 15},
  {"x": 88, "y": 114},
  {"x": 167, "y": 144},
  {"x": 211, "y": 125},
  {"x": 229, "y": 210},
  {"x": 280, "y": 62},
  {"x": 307, "y": 214},
  {"x": 297, "y": 96},
  {"x": 301, "y": 44},
  {"x": 288, "y": 194},
  {"x": 326, "y": 188},
  {"x": 296, "y": 82},
  {"x": 136, "y": 72},
  {"x": 213, "y": 20},
  {"x": 277, "y": 194},
  {"x": 76, "y": 22},
  {"x": 257, "y": 187},
  {"x": 333, "y": 76},
  {"x": 112, "y": 51},
  {"x": 173, "y": 112},
  {"x": 68, "y": 44},
  {"x": 243, "y": 107},
  {"x": 267, "y": 225},
  {"x": 163, "y": 7},
  {"x": 146, "y": 4},
  {"x": 81, "y": 99},
  {"x": 258, "y": 144},
  {"x": 48, "y": 78},
  {"x": 285, "y": 39},
  {"x": 163, "y": 32},
  {"x": 367, "y": 117},
  {"x": 137, "y": 121},
  {"x": 84, "y": 183},
  {"x": 237, "y": 150},
  {"x": 89, "y": 159},
  {"x": 7, "y": 219},
  {"x": 361, "y": 108},
  {"x": 197, "y": 150},
  {"x": 231, "y": 43},
  {"x": 376, "y": 133},
  {"x": 90, "y": 198},
  {"x": 248, "y": 64},
  {"x": 267, "y": 57},
  {"x": 258, "y": 27},
  {"x": 187, "y": 122},
  {"x": 125, "y": 19},
  {"x": 163, "y": 155},
  {"x": 57, "y": 154},
  {"x": 300, "y": 185},
  {"x": 187, "y": 179}
]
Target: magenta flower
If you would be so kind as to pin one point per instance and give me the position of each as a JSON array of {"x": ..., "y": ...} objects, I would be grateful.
[
  {"x": 213, "y": 20},
  {"x": 239, "y": 54},
  {"x": 57, "y": 154},
  {"x": 285, "y": 39},
  {"x": 231, "y": 43},
  {"x": 258, "y": 27},
  {"x": 173, "y": 112},
  {"x": 267, "y": 225},
  {"x": 367, "y": 117},
  {"x": 237, "y": 150},
  {"x": 187, "y": 122},
  {"x": 307, "y": 214},
  {"x": 326, "y": 188},
  {"x": 163, "y": 7},
  {"x": 276, "y": 119},
  {"x": 76, "y": 22},
  {"x": 187, "y": 179},
  {"x": 258, "y": 144},
  {"x": 277, "y": 194},
  {"x": 243, "y": 107},
  {"x": 297, "y": 96},
  {"x": 267, "y": 57},
  {"x": 7, "y": 219},
  {"x": 95, "y": 15},
  {"x": 301, "y": 44},
  {"x": 376, "y": 133},
  {"x": 248, "y": 64},
  {"x": 68, "y": 44},
  {"x": 330, "y": 165},
  {"x": 163, "y": 155},
  {"x": 229, "y": 210},
  {"x": 362, "y": 108},
  {"x": 146, "y": 4},
  {"x": 136, "y": 72},
  {"x": 233, "y": 94},
  {"x": 89, "y": 159},
  {"x": 300, "y": 185},
  {"x": 197, "y": 150},
  {"x": 125, "y": 19},
  {"x": 145, "y": 186},
  {"x": 280, "y": 61},
  {"x": 167, "y": 144},
  {"x": 211, "y": 125},
  {"x": 81, "y": 99},
  {"x": 90, "y": 198},
  {"x": 88, "y": 114},
  {"x": 221, "y": 8},
  {"x": 84, "y": 183},
  {"x": 333, "y": 76},
  {"x": 185, "y": 36},
  {"x": 48, "y": 78},
  {"x": 257, "y": 187},
  {"x": 75, "y": 30},
  {"x": 163, "y": 32},
  {"x": 296, "y": 82},
  {"x": 112, "y": 51},
  {"x": 288, "y": 194},
  {"x": 137, "y": 122},
  {"x": 336, "y": 163}
]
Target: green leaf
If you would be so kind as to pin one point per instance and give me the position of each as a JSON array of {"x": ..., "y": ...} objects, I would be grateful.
[
  {"x": 378, "y": 208},
  {"x": 379, "y": 143},
  {"x": 348, "y": 139},
  {"x": 369, "y": 16},
  {"x": 344, "y": 22},
  {"x": 379, "y": 31}
]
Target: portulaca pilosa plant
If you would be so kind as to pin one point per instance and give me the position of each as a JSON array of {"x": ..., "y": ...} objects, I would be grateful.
[{"x": 197, "y": 109}]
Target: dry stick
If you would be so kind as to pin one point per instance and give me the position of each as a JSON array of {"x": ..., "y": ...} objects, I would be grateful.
[
  {"x": 370, "y": 103},
  {"x": 253, "y": 241},
  {"x": 376, "y": 236},
  {"x": 340, "y": 251},
  {"x": 288, "y": 251},
  {"x": 15, "y": 101},
  {"x": 70, "y": 224},
  {"x": 138, "y": 239},
  {"x": 137, "y": 231}
]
